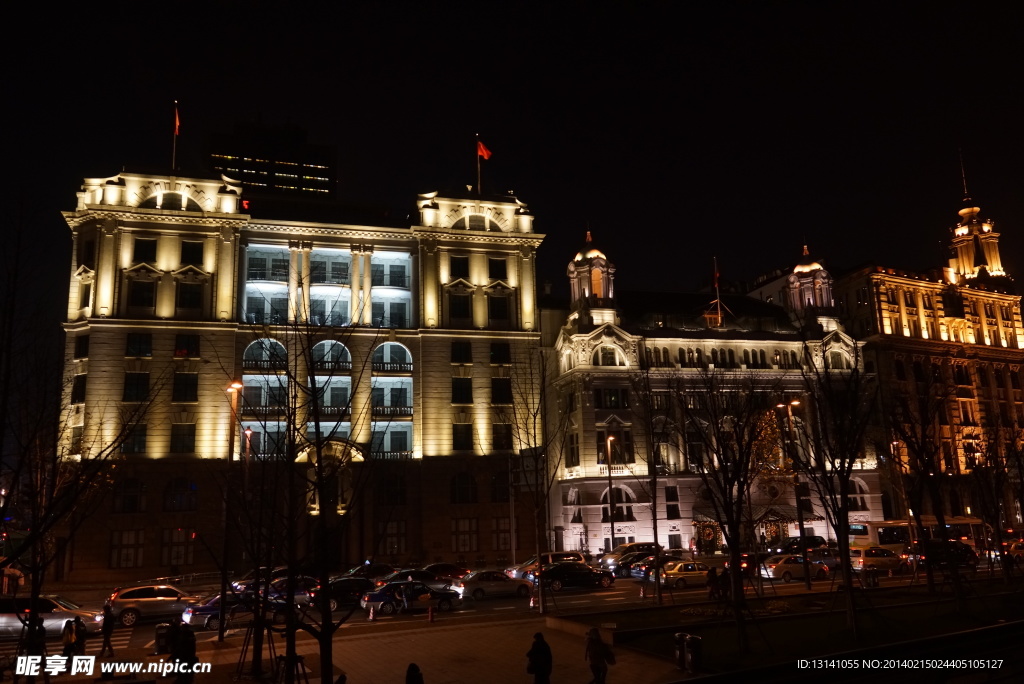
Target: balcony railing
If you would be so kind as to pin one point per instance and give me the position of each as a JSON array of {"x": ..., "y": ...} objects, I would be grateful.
[
  {"x": 335, "y": 411},
  {"x": 324, "y": 365},
  {"x": 388, "y": 280},
  {"x": 392, "y": 410},
  {"x": 392, "y": 455},
  {"x": 264, "y": 364},
  {"x": 392, "y": 367}
]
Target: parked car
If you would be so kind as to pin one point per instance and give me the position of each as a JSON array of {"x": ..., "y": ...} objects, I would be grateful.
[
  {"x": 485, "y": 583},
  {"x": 344, "y": 592},
  {"x": 877, "y": 558},
  {"x": 1015, "y": 550},
  {"x": 303, "y": 583},
  {"x": 683, "y": 573},
  {"x": 941, "y": 553},
  {"x": 610, "y": 560},
  {"x": 826, "y": 555},
  {"x": 572, "y": 574},
  {"x": 246, "y": 583},
  {"x": 430, "y": 579},
  {"x": 130, "y": 604},
  {"x": 387, "y": 600},
  {"x": 622, "y": 567},
  {"x": 447, "y": 570},
  {"x": 789, "y": 568},
  {"x": 795, "y": 545},
  {"x": 205, "y": 613},
  {"x": 371, "y": 570},
  {"x": 640, "y": 568},
  {"x": 750, "y": 564},
  {"x": 525, "y": 568},
  {"x": 54, "y": 611}
]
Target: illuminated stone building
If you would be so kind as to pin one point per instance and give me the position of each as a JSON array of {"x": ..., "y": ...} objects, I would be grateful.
[
  {"x": 176, "y": 294},
  {"x": 622, "y": 358},
  {"x": 958, "y": 329}
]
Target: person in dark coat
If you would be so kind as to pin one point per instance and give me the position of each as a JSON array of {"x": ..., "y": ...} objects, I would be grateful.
[
  {"x": 67, "y": 639},
  {"x": 595, "y": 652},
  {"x": 712, "y": 584},
  {"x": 540, "y": 661},
  {"x": 413, "y": 674},
  {"x": 725, "y": 584},
  {"x": 107, "y": 630}
]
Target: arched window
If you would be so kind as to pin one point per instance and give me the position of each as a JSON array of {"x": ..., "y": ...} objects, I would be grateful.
[
  {"x": 746, "y": 357},
  {"x": 180, "y": 494},
  {"x": 392, "y": 357},
  {"x": 666, "y": 359},
  {"x": 608, "y": 355},
  {"x": 714, "y": 357},
  {"x": 331, "y": 355},
  {"x": 130, "y": 496},
  {"x": 463, "y": 489},
  {"x": 623, "y": 508},
  {"x": 265, "y": 354}
]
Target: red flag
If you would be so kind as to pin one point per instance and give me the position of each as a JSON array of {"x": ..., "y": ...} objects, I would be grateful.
[
  {"x": 482, "y": 150},
  {"x": 177, "y": 120}
]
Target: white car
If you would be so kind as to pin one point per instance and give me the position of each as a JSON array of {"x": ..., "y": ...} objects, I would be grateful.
[{"x": 484, "y": 583}]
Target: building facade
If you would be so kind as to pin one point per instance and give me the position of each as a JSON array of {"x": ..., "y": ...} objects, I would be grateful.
[
  {"x": 230, "y": 340},
  {"x": 630, "y": 366},
  {"x": 955, "y": 332}
]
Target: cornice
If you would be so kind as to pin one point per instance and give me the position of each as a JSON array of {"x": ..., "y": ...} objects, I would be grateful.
[{"x": 93, "y": 213}]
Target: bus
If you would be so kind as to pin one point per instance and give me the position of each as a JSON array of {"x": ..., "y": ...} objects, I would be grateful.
[{"x": 896, "y": 535}]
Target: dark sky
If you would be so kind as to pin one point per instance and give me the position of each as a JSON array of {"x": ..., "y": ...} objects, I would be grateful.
[{"x": 675, "y": 131}]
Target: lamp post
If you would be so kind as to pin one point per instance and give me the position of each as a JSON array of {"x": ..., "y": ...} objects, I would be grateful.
[
  {"x": 611, "y": 492},
  {"x": 796, "y": 491},
  {"x": 233, "y": 390}
]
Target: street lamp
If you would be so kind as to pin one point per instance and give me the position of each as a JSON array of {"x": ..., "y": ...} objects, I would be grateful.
[
  {"x": 611, "y": 492},
  {"x": 233, "y": 390},
  {"x": 796, "y": 490}
]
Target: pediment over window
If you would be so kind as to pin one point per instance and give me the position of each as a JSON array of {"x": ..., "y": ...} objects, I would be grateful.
[
  {"x": 499, "y": 289},
  {"x": 191, "y": 274},
  {"x": 143, "y": 271},
  {"x": 85, "y": 272},
  {"x": 460, "y": 286}
]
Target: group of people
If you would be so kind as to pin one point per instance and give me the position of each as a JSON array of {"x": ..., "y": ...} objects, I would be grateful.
[
  {"x": 73, "y": 637},
  {"x": 719, "y": 585},
  {"x": 598, "y": 654}
]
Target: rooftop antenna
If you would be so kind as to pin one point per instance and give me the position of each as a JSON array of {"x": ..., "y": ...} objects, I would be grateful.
[
  {"x": 716, "y": 304},
  {"x": 963, "y": 173},
  {"x": 174, "y": 139}
]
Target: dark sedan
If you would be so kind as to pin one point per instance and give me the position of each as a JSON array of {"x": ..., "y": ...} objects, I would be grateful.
[
  {"x": 412, "y": 574},
  {"x": 447, "y": 570},
  {"x": 399, "y": 596},
  {"x": 573, "y": 574},
  {"x": 371, "y": 570},
  {"x": 343, "y": 592}
]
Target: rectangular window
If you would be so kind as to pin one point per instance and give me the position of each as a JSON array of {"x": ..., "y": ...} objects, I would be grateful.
[
  {"x": 376, "y": 274},
  {"x": 126, "y": 548},
  {"x": 338, "y": 397},
  {"x": 398, "y": 315},
  {"x": 462, "y": 390},
  {"x": 134, "y": 440},
  {"x": 572, "y": 456},
  {"x": 399, "y": 441},
  {"x": 136, "y": 387},
  {"x": 183, "y": 438},
  {"x": 501, "y": 390},
  {"x": 400, "y": 396},
  {"x": 497, "y": 269},
  {"x": 192, "y": 253},
  {"x": 86, "y": 296},
  {"x": 139, "y": 345},
  {"x": 464, "y": 535},
  {"x": 502, "y": 436},
  {"x": 501, "y": 352},
  {"x": 672, "y": 511},
  {"x": 672, "y": 494},
  {"x": 144, "y": 251},
  {"x": 77, "y": 435},
  {"x": 462, "y": 436},
  {"x": 186, "y": 346},
  {"x": 396, "y": 276},
  {"x": 255, "y": 309},
  {"x": 462, "y": 352},
  {"x": 318, "y": 271},
  {"x": 78, "y": 389},
  {"x": 497, "y": 310},
  {"x": 339, "y": 272},
  {"x": 278, "y": 310},
  {"x": 392, "y": 536},
  {"x": 279, "y": 269},
  {"x": 501, "y": 535},
  {"x": 177, "y": 547},
  {"x": 186, "y": 387},
  {"x": 190, "y": 296},
  {"x": 458, "y": 267},
  {"x": 459, "y": 304},
  {"x": 142, "y": 293},
  {"x": 257, "y": 268},
  {"x": 379, "y": 318}
]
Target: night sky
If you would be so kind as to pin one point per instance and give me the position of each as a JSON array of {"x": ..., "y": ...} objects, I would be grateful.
[{"x": 674, "y": 131}]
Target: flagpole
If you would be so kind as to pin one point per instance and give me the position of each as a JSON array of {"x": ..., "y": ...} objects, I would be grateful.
[
  {"x": 174, "y": 140},
  {"x": 477, "y": 151}
]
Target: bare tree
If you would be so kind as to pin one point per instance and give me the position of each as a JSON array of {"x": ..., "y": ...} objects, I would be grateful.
[
  {"x": 842, "y": 403},
  {"x": 728, "y": 417}
]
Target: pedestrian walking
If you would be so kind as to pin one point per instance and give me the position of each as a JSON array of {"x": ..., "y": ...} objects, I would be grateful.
[
  {"x": 107, "y": 630},
  {"x": 67, "y": 638},
  {"x": 413, "y": 674},
  {"x": 599, "y": 655},
  {"x": 540, "y": 662},
  {"x": 712, "y": 584},
  {"x": 725, "y": 584},
  {"x": 81, "y": 635}
]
